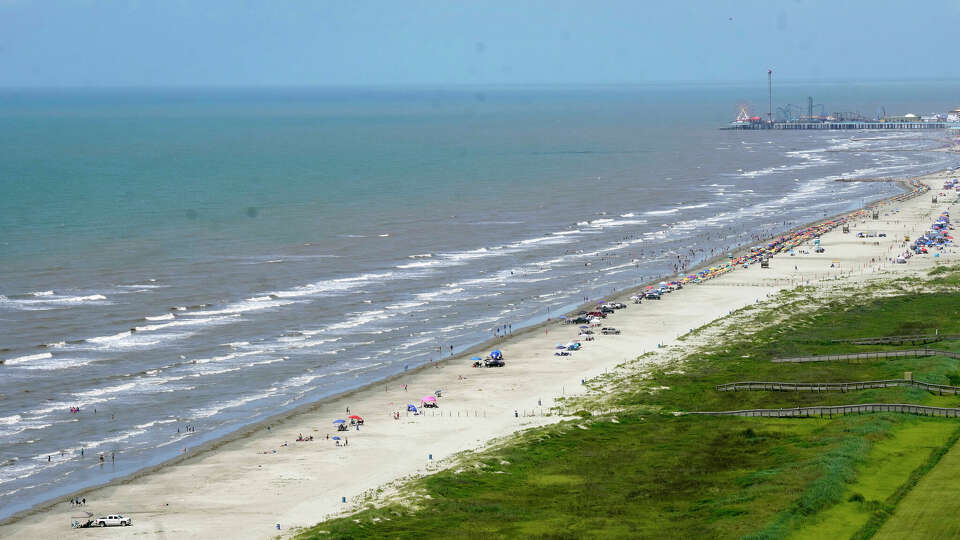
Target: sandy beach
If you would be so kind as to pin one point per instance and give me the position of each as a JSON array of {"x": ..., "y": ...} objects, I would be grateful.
[{"x": 250, "y": 482}]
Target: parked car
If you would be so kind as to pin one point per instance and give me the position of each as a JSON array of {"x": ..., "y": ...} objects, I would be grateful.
[
  {"x": 652, "y": 295},
  {"x": 609, "y": 331},
  {"x": 114, "y": 520}
]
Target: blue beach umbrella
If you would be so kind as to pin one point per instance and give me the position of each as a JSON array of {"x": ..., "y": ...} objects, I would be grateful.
[
  {"x": 336, "y": 438},
  {"x": 476, "y": 358},
  {"x": 339, "y": 421}
]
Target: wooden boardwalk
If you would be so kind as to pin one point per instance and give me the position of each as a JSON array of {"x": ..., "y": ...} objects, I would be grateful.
[
  {"x": 940, "y": 389},
  {"x": 875, "y": 355},
  {"x": 915, "y": 339},
  {"x": 831, "y": 410}
]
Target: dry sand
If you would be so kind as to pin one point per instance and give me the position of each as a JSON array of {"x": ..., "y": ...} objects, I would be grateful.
[{"x": 232, "y": 489}]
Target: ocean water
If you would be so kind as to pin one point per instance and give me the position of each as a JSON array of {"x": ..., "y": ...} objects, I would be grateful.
[{"x": 273, "y": 247}]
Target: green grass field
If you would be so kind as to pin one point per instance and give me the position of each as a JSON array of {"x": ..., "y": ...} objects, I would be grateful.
[
  {"x": 887, "y": 467},
  {"x": 652, "y": 474},
  {"x": 929, "y": 510}
]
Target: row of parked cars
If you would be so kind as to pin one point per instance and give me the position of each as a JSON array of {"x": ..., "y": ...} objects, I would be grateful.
[
  {"x": 656, "y": 293},
  {"x": 586, "y": 317}
]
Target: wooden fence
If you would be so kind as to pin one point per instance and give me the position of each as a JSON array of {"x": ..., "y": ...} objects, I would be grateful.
[
  {"x": 829, "y": 411},
  {"x": 915, "y": 339},
  {"x": 876, "y": 355},
  {"x": 835, "y": 387}
]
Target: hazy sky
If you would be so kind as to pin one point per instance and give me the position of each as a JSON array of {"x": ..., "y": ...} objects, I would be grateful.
[{"x": 390, "y": 42}]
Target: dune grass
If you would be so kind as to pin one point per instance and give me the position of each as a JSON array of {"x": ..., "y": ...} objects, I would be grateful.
[
  {"x": 652, "y": 474},
  {"x": 642, "y": 477},
  {"x": 747, "y": 358}
]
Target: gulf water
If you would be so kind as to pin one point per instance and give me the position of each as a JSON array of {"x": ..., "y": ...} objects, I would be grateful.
[{"x": 273, "y": 247}]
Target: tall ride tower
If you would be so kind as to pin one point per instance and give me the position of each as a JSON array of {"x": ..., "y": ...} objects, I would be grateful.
[{"x": 770, "y": 97}]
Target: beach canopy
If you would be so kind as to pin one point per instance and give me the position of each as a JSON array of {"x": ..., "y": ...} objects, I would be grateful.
[
  {"x": 496, "y": 354},
  {"x": 336, "y": 438},
  {"x": 411, "y": 408},
  {"x": 340, "y": 421},
  {"x": 584, "y": 326},
  {"x": 428, "y": 398},
  {"x": 355, "y": 417},
  {"x": 476, "y": 358}
]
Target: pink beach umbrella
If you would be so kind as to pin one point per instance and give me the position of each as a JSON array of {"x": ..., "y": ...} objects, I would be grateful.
[{"x": 428, "y": 398}]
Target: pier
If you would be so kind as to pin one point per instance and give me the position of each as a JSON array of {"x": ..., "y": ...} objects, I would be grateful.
[{"x": 842, "y": 125}]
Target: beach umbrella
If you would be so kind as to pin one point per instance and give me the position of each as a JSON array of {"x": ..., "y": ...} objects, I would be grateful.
[
  {"x": 355, "y": 417},
  {"x": 341, "y": 421},
  {"x": 584, "y": 326},
  {"x": 428, "y": 398},
  {"x": 336, "y": 438},
  {"x": 476, "y": 358},
  {"x": 410, "y": 407}
]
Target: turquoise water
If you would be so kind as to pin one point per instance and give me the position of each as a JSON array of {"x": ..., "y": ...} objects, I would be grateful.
[{"x": 272, "y": 247}]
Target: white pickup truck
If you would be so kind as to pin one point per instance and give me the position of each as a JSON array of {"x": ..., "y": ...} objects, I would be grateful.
[{"x": 113, "y": 520}]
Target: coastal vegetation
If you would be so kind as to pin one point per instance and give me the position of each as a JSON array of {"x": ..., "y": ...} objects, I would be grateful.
[{"x": 647, "y": 470}]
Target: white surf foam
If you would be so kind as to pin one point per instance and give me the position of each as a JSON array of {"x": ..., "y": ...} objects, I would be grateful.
[
  {"x": 258, "y": 303},
  {"x": 28, "y": 358},
  {"x": 206, "y": 412}
]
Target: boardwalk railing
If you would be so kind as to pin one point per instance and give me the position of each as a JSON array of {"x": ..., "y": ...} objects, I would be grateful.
[
  {"x": 875, "y": 355},
  {"x": 829, "y": 411},
  {"x": 915, "y": 339},
  {"x": 835, "y": 387}
]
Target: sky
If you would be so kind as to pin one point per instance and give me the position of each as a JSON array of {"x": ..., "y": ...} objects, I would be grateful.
[{"x": 162, "y": 43}]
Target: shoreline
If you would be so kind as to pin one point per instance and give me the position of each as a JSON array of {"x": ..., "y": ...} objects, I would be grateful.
[{"x": 247, "y": 432}]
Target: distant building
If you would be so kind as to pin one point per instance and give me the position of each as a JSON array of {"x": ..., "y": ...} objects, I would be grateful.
[
  {"x": 954, "y": 115},
  {"x": 909, "y": 117}
]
